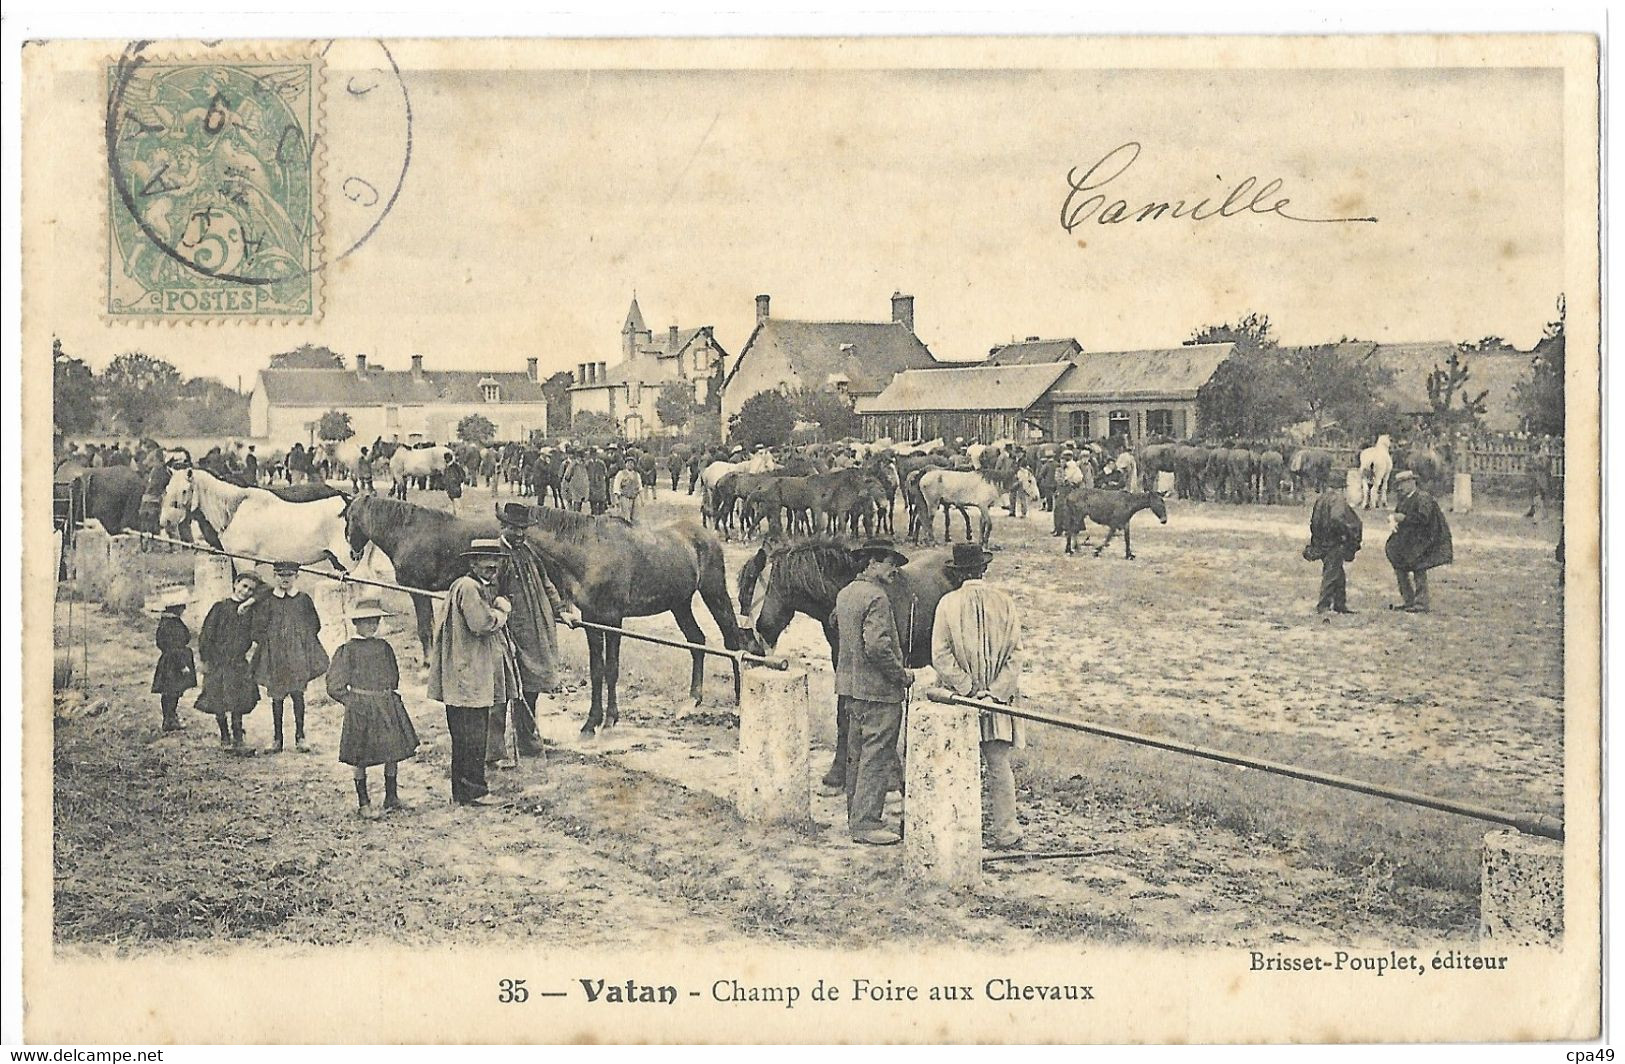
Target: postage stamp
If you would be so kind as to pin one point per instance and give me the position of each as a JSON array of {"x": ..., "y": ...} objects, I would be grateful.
[{"x": 213, "y": 188}]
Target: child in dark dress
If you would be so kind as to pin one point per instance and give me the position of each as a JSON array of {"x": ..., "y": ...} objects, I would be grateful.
[
  {"x": 176, "y": 671},
  {"x": 288, "y": 651},
  {"x": 364, "y": 677},
  {"x": 223, "y": 644}
]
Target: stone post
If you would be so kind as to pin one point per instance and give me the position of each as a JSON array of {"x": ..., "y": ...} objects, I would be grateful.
[
  {"x": 127, "y": 576},
  {"x": 1352, "y": 487},
  {"x": 1165, "y": 482},
  {"x": 775, "y": 747},
  {"x": 942, "y": 837},
  {"x": 91, "y": 564},
  {"x": 1520, "y": 888},
  {"x": 1461, "y": 500},
  {"x": 211, "y": 582},
  {"x": 332, "y": 599}
]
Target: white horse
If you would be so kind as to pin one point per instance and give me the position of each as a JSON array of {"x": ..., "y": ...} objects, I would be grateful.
[
  {"x": 256, "y": 522},
  {"x": 711, "y": 475},
  {"x": 1376, "y": 466},
  {"x": 415, "y": 462},
  {"x": 959, "y": 488}
]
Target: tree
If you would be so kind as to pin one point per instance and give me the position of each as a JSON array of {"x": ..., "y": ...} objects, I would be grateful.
[
  {"x": 766, "y": 417},
  {"x": 556, "y": 389},
  {"x": 207, "y": 407},
  {"x": 139, "y": 390},
  {"x": 1252, "y": 331},
  {"x": 827, "y": 408},
  {"x": 1250, "y": 395},
  {"x": 594, "y": 423},
  {"x": 1444, "y": 384},
  {"x": 1541, "y": 396},
  {"x": 334, "y": 426},
  {"x": 705, "y": 428},
  {"x": 73, "y": 392},
  {"x": 308, "y": 356},
  {"x": 1336, "y": 388},
  {"x": 675, "y": 404},
  {"x": 476, "y": 428}
]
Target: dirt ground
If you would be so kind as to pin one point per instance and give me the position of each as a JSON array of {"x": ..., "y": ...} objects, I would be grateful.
[{"x": 1209, "y": 636}]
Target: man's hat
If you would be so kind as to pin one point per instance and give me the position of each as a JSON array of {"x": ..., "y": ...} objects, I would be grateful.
[
  {"x": 284, "y": 567},
  {"x": 880, "y": 548},
  {"x": 483, "y": 548},
  {"x": 513, "y": 513},
  {"x": 167, "y": 599},
  {"x": 366, "y": 608},
  {"x": 1404, "y": 475},
  {"x": 968, "y": 557}
]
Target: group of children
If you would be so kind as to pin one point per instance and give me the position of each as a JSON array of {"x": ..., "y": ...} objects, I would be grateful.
[{"x": 268, "y": 636}]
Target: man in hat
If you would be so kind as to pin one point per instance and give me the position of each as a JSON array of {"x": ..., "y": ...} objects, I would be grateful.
[
  {"x": 251, "y": 465},
  {"x": 1335, "y": 532},
  {"x": 533, "y": 626},
  {"x": 627, "y": 488},
  {"x": 1420, "y": 541},
  {"x": 871, "y": 685},
  {"x": 597, "y": 482},
  {"x": 470, "y": 670},
  {"x": 1070, "y": 474},
  {"x": 974, "y": 641}
]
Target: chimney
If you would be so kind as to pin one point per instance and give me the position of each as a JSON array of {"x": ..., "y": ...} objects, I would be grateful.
[
  {"x": 902, "y": 310},
  {"x": 361, "y": 366},
  {"x": 1032, "y": 339},
  {"x": 601, "y": 372},
  {"x": 761, "y": 309},
  {"x": 417, "y": 368},
  {"x": 581, "y": 373},
  {"x": 530, "y": 368},
  {"x": 671, "y": 339}
]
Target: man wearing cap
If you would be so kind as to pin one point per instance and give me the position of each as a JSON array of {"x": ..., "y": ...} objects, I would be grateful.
[
  {"x": 871, "y": 685},
  {"x": 1335, "y": 533},
  {"x": 470, "y": 670},
  {"x": 1070, "y": 474},
  {"x": 1420, "y": 541},
  {"x": 627, "y": 488},
  {"x": 537, "y": 606},
  {"x": 597, "y": 482},
  {"x": 974, "y": 641}
]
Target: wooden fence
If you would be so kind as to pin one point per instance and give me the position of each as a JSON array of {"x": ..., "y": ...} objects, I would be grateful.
[{"x": 1498, "y": 463}]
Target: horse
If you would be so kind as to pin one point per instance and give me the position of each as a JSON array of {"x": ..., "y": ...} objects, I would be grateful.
[
  {"x": 607, "y": 568},
  {"x": 110, "y": 494},
  {"x": 1113, "y": 509},
  {"x": 258, "y": 522},
  {"x": 712, "y": 474},
  {"x": 421, "y": 462},
  {"x": 778, "y": 582},
  {"x": 1376, "y": 466},
  {"x": 1271, "y": 474},
  {"x": 982, "y": 489},
  {"x": 1310, "y": 467}
]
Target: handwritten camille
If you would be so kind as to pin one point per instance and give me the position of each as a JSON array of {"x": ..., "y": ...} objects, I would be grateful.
[{"x": 1084, "y": 202}]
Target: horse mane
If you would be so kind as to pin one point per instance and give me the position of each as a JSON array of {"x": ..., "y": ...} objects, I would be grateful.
[
  {"x": 212, "y": 501},
  {"x": 581, "y": 530},
  {"x": 820, "y": 566},
  {"x": 997, "y": 479},
  {"x": 402, "y": 514}
]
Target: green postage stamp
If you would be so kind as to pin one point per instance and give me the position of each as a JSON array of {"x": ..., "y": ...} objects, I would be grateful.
[{"x": 213, "y": 198}]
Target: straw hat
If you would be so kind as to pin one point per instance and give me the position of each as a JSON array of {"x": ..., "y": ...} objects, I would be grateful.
[
  {"x": 167, "y": 599},
  {"x": 483, "y": 548},
  {"x": 366, "y": 608}
]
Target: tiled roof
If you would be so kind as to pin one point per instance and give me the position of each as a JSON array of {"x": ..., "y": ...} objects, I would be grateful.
[
  {"x": 1028, "y": 352},
  {"x": 867, "y": 353},
  {"x": 655, "y": 363},
  {"x": 1495, "y": 372},
  {"x": 344, "y": 387},
  {"x": 972, "y": 388},
  {"x": 1164, "y": 373}
]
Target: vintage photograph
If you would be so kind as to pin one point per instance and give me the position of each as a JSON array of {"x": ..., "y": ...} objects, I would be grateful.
[{"x": 936, "y": 540}]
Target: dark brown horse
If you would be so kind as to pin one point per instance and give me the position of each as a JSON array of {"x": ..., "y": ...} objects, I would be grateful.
[
  {"x": 776, "y": 583},
  {"x": 609, "y": 569}
]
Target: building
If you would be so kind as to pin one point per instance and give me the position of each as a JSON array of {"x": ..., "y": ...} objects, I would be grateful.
[
  {"x": 626, "y": 392},
  {"x": 1076, "y": 395},
  {"x": 858, "y": 358},
  {"x": 1495, "y": 373},
  {"x": 419, "y": 403}
]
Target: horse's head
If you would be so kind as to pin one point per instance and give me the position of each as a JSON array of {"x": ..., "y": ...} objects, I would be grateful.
[
  {"x": 1156, "y": 504},
  {"x": 180, "y": 499},
  {"x": 355, "y": 529}
]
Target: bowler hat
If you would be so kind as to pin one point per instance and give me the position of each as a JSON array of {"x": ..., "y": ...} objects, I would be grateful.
[
  {"x": 514, "y": 513},
  {"x": 968, "y": 557},
  {"x": 483, "y": 548},
  {"x": 880, "y": 548}
]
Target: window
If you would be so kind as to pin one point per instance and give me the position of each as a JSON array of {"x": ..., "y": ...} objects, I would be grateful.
[
  {"x": 1119, "y": 424},
  {"x": 1159, "y": 422},
  {"x": 491, "y": 392},
  {"x": 392, "y": 417},
  {"x": 1077, "y": 425},
  {"x": 634, "y": 394}
]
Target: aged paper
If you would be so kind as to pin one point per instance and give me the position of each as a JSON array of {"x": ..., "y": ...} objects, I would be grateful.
[{"x": 462, "y": 220}]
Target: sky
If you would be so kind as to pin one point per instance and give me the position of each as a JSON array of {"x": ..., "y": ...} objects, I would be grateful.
[{"x": 536, "y": 201}]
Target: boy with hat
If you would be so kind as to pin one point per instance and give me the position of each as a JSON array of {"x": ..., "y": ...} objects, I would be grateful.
[
  {"x": 628, "y": 487},
  {"x": 470, "y": 670},
  {"x": 364, "y": 677},
  {"x": 288, "y": 651},
  {"x": 176, "y": 671},
  {"x": 1420, "y": 541},
  {"x": 974, "y": 642},
  {"x": 871, "y": 685}
]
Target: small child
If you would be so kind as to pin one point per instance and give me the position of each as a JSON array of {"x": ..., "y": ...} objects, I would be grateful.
[
  {"x": 377, "y": 731},
  {"x": 223, "y": 643},
  {"x": 288, "y": 652},
  {"x": 176, "y": 671}
]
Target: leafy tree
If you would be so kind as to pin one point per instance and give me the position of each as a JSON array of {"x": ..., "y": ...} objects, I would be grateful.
[
  {"x": 675, "y": 404},
  {"x": 705, "y": 428},
  {"x": 1336, "y": 388},
  {"x": 73, "y": 392},
  {"x": 308, "y": 356},
  {"x": 1250, "y": 395},
  {"x": 139, "y": 390},
  {"x": 556, "y": 389},
  {"x": 1541, "y": 396},
  {"x": 334, "y": 426},
  {"x": 594, "y": 423},
  {"x": 1448, "y": 382},
  {"x": 1488, "y": 343},
  {"x": 1252, "y": 331},
  {"x": 207, "y": 407},
  {"x": 476, "y": 428},
  {"x": 766, "y": 417},
  {"x": 828, "y": 409}
]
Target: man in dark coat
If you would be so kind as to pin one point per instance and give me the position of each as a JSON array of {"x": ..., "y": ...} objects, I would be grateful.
[
  {"x": 1335, "y": 533},
  {"x": 1420, "y": 541},
  {"x": 597, "y": 482},
  {"x": 871, "y": 683}
]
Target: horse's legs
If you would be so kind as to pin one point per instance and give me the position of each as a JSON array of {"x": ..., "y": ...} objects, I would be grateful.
[
  {"x": 424, "y": 608},
  {"x": 694, "y": 634},
  {"x": 612, "y": 676},
  {"x": 1128, "y": 555},
  {"x": 595, "y": 665},
  {"x": 1111, "y": 530}
]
